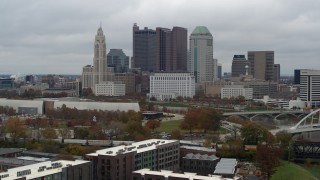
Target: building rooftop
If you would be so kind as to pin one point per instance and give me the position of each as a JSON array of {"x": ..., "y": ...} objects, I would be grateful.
[
  {"x": 16, "y": 161},
  {"x": 201, "y": 157},
  {"x": 226, "y": 166},
  {"x": 39, "y": 169},
  {"x": 199, "y": 148},
  {"x": 186, "y": 175},
  {"x": 201, "y": 30},
  {"x": 35, "y": 159},
  {"x": 4, "y": 151},
  {"x": 139, "y": 147}
]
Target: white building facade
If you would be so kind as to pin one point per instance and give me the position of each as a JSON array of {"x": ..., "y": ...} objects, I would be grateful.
[
  {"x": 110, "y": 89},
  {"x": 166, "y": 86},
  {"x": 310, "y": 86},
  {"x": 236, "y": 91},
  {"x": 201, "y": 62}
]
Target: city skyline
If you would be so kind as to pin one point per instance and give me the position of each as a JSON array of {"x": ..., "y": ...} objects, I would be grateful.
[{"x": 39, "y": 37}]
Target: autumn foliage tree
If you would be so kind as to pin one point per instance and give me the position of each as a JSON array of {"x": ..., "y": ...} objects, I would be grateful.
[
  {"x": 49, "y": 133},
  {"x": 201, "y": 118},
  {"x": 267, "y": 157},
  {"x": 15, "y": 128},
  {"x": 190, "y": 119},
  {"x": 152, "y": 124}
]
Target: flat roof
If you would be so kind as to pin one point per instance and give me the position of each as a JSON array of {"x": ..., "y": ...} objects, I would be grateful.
[
  {"x": 139, "y": 147},
  {"x": 186, "y": 175},
  {"x": 39, "y": 169},
  {"x": 4, "y": 151},
  {"x": 199, "y": 148},
  {"x": 226, "y": 166},
  {"x": 16, "y": 161}
]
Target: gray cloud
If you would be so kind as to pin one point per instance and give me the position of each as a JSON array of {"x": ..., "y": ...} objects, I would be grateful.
[{"x": 43, "y": 36}]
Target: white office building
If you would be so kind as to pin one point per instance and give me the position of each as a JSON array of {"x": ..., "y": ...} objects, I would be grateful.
[
  {"x": 110, "y": 89},
  {"x": 236, "y": 91},
  {"x": 166, "y": 86},
  {"x": 310, "y": 86}
]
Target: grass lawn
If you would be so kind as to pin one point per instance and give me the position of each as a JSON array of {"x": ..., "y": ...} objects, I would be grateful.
[
  {"x": 168, "y": 126},
  {"x": 314, "y": 169},
  {"x": 292, "y": 171}
]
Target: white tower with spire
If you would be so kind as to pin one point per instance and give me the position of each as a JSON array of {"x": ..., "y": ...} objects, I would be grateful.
[
  {"x": 99, "y": 57},
  {"x": 100, "y": 72}
]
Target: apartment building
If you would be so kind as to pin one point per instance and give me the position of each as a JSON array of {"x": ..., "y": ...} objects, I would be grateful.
[
  {"x": 119, "y": 162},
  {"x": 60, "y": 170}
]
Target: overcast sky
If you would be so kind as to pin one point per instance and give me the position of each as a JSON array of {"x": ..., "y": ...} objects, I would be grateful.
[{"x": 56, "y": 36}]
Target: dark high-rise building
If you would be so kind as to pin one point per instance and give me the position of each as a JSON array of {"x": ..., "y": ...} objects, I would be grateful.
[
  {"x": 261, "y": 64},
  {"x": 163, "y": 57},
  {"x": 144, "y": 48},
  {"x": 239, "y": 65},
  {"x": 172, "y": 49},
  {"x": 297, "y": 76},
  {"x": 276, "y": 72},
  {"x": 117, "y": 59},
  {"x": 219, "y": 71},
  {"x": 160, "y": 50},
  {"x": 179, "y": 49}
]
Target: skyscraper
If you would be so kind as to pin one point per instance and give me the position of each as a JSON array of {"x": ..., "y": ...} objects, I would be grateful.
[
  {"x": 160, "y": 50},
  {"x": 117, "y": 59},
  {"x": 219, "y": 71},
  {"x": 99, "y": 72},
  {"x": 144, "y": 48},
  {"x": 171, "y": 49},
  {"x": 99, "y": 57},
  {"x": 261, "y": 64},
  {"x": 276, "y": 72},
  {"x": 201, "y": 55},
  {"x": 239, "y": 64}
]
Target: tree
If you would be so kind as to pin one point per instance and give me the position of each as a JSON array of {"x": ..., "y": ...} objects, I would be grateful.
[
  {"x": 176, "y": 134},
  {"x": 15, "y": 128},
  {"x": 115, "y": 129},
  {"x": 87, "y": 92},
  {"x": 75, "y": 149},
  {"x": 253, "y": 134},
  {"x": 64, "y": 132},
  {"x": 49, "y": 133},
  {"x": 284, "y": 138},
  {"x": 268, "y": 158},
  {"x": 215, "y": 116},
  {"x": 152, "y": 124},
  {"x": 190, "y": 119},
  {"x": 82, "y": 133}
]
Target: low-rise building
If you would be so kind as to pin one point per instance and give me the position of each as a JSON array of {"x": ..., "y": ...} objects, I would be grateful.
[
  {"x": 226, "y": 167},
  {"x": 110, "y": 89},
  {"x": 166, "y": 86},
  {"x": 200, "y": 164},
  {"x": 6, "y": 83},
  {"x": 62, "y": 170},
  {"x": 236, "y": 91}
]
